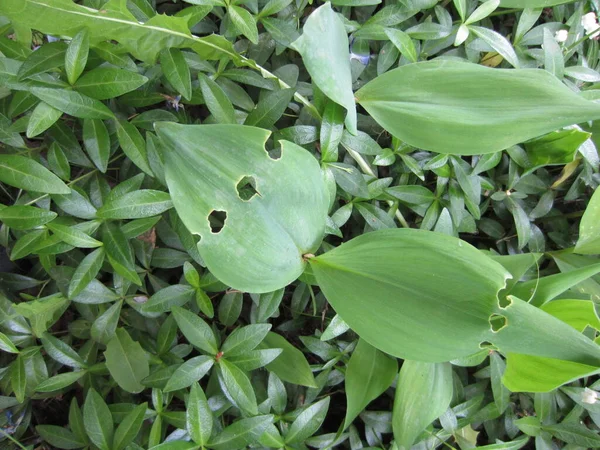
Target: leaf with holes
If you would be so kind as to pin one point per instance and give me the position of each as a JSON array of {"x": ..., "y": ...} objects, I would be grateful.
[{"x": 256, "y": 216}]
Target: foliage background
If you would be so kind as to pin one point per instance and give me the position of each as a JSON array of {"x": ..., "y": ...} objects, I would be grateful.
[{"x": 102, "y": 285}]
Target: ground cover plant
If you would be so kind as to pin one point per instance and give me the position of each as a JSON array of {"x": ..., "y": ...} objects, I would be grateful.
[{"x": 281, "y": 224}]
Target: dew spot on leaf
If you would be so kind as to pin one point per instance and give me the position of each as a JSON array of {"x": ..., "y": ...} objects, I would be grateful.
[{"x": 216, "y": 220}]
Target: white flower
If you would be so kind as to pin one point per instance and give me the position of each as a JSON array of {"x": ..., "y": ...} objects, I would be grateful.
[
  {"x": 590, "y": 24},
  {"x": 589, "y": 396},
  {"x": 561, "y": 35}
]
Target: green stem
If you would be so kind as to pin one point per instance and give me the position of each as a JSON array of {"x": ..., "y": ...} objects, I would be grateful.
[
  {"x": 17, "y": 443},
  {"x": 585, "y": 37}
]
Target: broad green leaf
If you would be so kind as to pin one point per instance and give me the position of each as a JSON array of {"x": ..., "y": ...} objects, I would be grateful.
[
  {"x": 291, "y": 365},
  {"x": 216, "y": 101},
  {"x": 77, "y": 55},
  {"x": 244, "y": 339},
  {"x": 575, "y": 434},
  {"x": 60, "y": 381},
  {"x": 18, "y": 378},
  {"x": 498, "y": 43},
  {"x": 104, "y": 327},
  {"x": 403, "y": 42},
  {"x": 437, "y": 100},
  {"x": 199, "y": 419},
  {"x": 501, "y": 394},
  {"x": 73, "y": 103},
  {"x": 73, "y": 236},
  {"x": 189, "y": 372},
  {"x": 368, "y": 374},
  {"x": 531, "y": 3},
  {"x": 59, "y": 437},
  {"x": 270, "y": 232},
  {"x": 176, "y": 71},
  {"x": 244, "y": 22},
  {"x": 255, "y": 359},
  {"x": 45, "y": 58},
  {"x": 60, "y": 351},
  {"x": 330, "y": 135},
  {"x": 143, "y": 40},
  {"x": 8, "y": 135},
  {"x": 96, "y": 142},
  {"x": 164, "y": 299},
  {"x": 58, "y": 162},
  {"x": 324, "y": 48},
  {"x": 577, "y": 313},
  {"x": 133, "y": 145},
  {"x": 6, "y": 345},
  {"x": 195, "y": 330},
  {"x": 237, "y": 386},
  {"x": 86, "y": 271},
  {"x": 43, "y": 312},
  {"x": 42, "y": 118},
  {"x": 126, "y": 361},
  {"x": 423, "y": 393},
  {"x": 25, "y": 173},
  {"x": 542, "y": 290},
  {"x": 241, "y": 433},
  {"x": 103, "y": 83},
  {"x": 270, "y": 108},
  {"x": 98, "y": 420},
  {"x": 380, "y": 283},
  {"x": 119, "y": 252},
  {"x": 21, "y": 217},
  {"x": 589, "y": 228},
  {"x": 136, "y": 205},
  {"x": 129, "y": 427},
  {"x": 308, "y": 422}
]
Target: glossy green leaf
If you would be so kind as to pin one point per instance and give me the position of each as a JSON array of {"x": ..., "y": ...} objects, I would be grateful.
[
  {"x": 189, "y": 372},
  {"x": 264, "y": 231},
  {"x": 105, "y": 326},
  {"x": 244, "y": 339},
  {"x": 199, "y": 419},
  {"x": 216, "y": 101},
  {"x": 534, "y": 4},
  {"x": 73, "y": 236},
  {"x": 196, "y": 330},
  {"x": 368, "y": 374},
  {"x": 176, "y": 71},
  {"x": 126, "y": 361},
  {"x": 438, "y": 99},
  {"x": 589, "y": 228},
  {"x": 136, "y": 205},
  {"x": 97, "y": 142},
  {"x": 61, "y": 352},
  {"x": 244, "y": 22},
  {"x": 86, "y": 271},
  {"x": 25, "y": 173},
  {"x": 308, "y": 422},
  {"x": 164, "y": 299},
  {"x": 20, "y": 217},
  {"x": 119, "y": 252},
  {"x": 239, "y": 434},
  {"x": 129, "y": 427},
  {"x": 324, "y": 49},
  {"x": 133, "y": 145},
  {"x": 380, "y": 284},
  {"x": 291, "y": 365},
  {"x": 423, "y": 393},
  {"x": 103, "y": 83},
  {"x": 73, "y": 103},
  {"x": 47, "y": 57},
  {"x": 237, "y": 386},
  {"x": 59, "y": 437},
  {"x": 77, "y": 55},
  {"x": 98, "y": 420},
  {"x": 6, "y": 345},
  {"x": 143, "y": 40},
  {"x": 42, "y": 118},
  {"x": 60, "y": 381}
]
